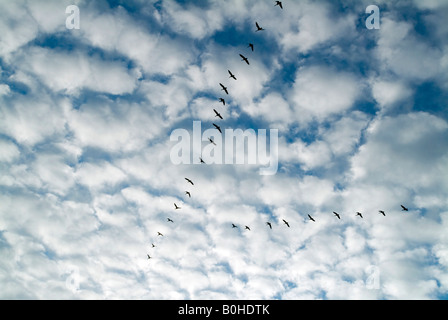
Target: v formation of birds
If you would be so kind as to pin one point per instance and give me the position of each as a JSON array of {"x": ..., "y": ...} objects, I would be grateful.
[{"x": 218, "y": 115}]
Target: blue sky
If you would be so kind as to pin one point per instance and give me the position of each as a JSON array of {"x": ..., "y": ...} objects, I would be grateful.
[{"x": 87, "y": 180}]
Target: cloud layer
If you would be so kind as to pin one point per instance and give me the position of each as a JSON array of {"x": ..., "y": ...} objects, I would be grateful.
[{"x": 87, "y": 183}]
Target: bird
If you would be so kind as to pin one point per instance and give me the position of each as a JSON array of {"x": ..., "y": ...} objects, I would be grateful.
[
  {"x": 224, "y": 88},
  {"x": 258, "y": 27},
  {"x": 159, "y": 234},
  {"x": 269, "y": 224},
  {"x": 189, "y": 181},
  {"x": 234, "y": 226},
  {"x": 382, "y": 212},
  {"x": 286, "y": 222},
  {"x": 218, "y": 114},
  {"x": 176, "y": 207},
  {"x": 211, "y": 141},
  {"x": 202, "y": 161},
  {"x": 148, "y": 257},
  {"x": 247, "y": 228},
  {"x": 244, "y": 59},
  {"x": 169, "y": 220},
  {"x": 359, "y": 214},
  {"x": 188, "y": 194},
  {"x": 337, "y": 215},
  {"x": 222, "y": 100},
  {"x": 153, "y": 245},
  {"x": 404, "y": 208},
  {"x": 231, "y": 75},
  {"x": 278, "y": 3},
  {"x": 217, "y": 127},
  {"x": 311, "y": 218},
  {"x": 251, "y": 45}
]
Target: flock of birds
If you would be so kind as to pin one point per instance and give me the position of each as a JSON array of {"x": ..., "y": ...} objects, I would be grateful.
[
  {"x": 218, "y": 115},
  {"x": 217, "y": 127}
]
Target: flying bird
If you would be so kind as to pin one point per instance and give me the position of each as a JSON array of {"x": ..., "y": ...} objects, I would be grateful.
[
  {"x": 153, "y": 245},
  {"x": 244, "y": 59},
  {"x": 217, "y": 127},
  {"x": 404, "y": 208},
  {"x": 231, "y": 75},
  {"x": 189, "y": 181},
  {"x": 311, "y": 218},
  {"x": 286, "y": 222},
  {"x": 202, "y": 161},
  {"x": 382, "y": 212},
  {"x": 224, "y": 88},
  {"x": 218, "y": 114},
  {"x": 211, "y": 141},
  {"x": 169, "y": 220},
  {"x": 176, "y": 207},
  {"x": 337, "y": 215},
  {"x": 234, "y": 226},
  {"x": 148, "y": 257},
  {"x": 359, "y": 214},
  {"x": 269, "y": 224},
  {"x": 159, "y": 234},
  {"x": 188, "y": 194},
  {"x": 251, "y": 45},
  {"x": 258, "y": 27},
  {"x": 247, "y": 228},
  {"x": 222, "y": 100},
  {"x": 278, "y": 3}
]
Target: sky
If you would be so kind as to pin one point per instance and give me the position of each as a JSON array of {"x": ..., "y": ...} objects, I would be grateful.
[{"x": 356, "y": 117}]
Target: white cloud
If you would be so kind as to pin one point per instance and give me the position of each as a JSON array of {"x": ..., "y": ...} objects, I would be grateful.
[
  {"x": 320, "y": 92},
  {"x": 400, "y": 51},
  {"x": 389, "y": 93},
  {"x": 9, "y": 152},
  {"x": 4, "y": 89},
  {"x": 71, "y": 72}
]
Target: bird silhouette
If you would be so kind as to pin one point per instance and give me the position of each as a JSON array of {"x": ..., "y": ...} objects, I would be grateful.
[
  {"x": 244, "y": 59},
  {"x": 224, "y": 88},
  {"x": 153, "y": 245},
  {"x": 234, "y": 226},
  {"x": 169, "y": 220},
  {"x": 217, "y": 114},
  {"x": 159, "y": 234},
  {"x": 222, "y": 100},
  {"x": 211, "y": 141},
  {"x": 311, "y": 218},
  {"x": 404, "y": 208},
  {"x": 231, "y": 75},
  {"x": 189, "y": 181},
  {"x": 258, "y": 27},
  {"x": 337, "y": 215},
  {"x": 382, "y": 212},
  {"x": 269, "y": 224},
  {"x": 148, "y": 256},
  {"x": 286, "y": 222},
  {"x": 176, "y": 207},
  {"x": 251, "y": 45},
  {"x": 278, "y": 3},
  {"x": 188, "y": 194},
  {"x": 359, "y": 214},
  {"x": 217, "y": 127},
  {"x": 247, "y": 228}
]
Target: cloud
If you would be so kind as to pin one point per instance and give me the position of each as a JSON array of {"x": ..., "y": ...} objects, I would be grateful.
[
  {"x": 87, "y": 181},
  {"x": 10, "y": 151},
  {"x": 320, "y": 92},
  {"x": 70, "y": 72}
]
